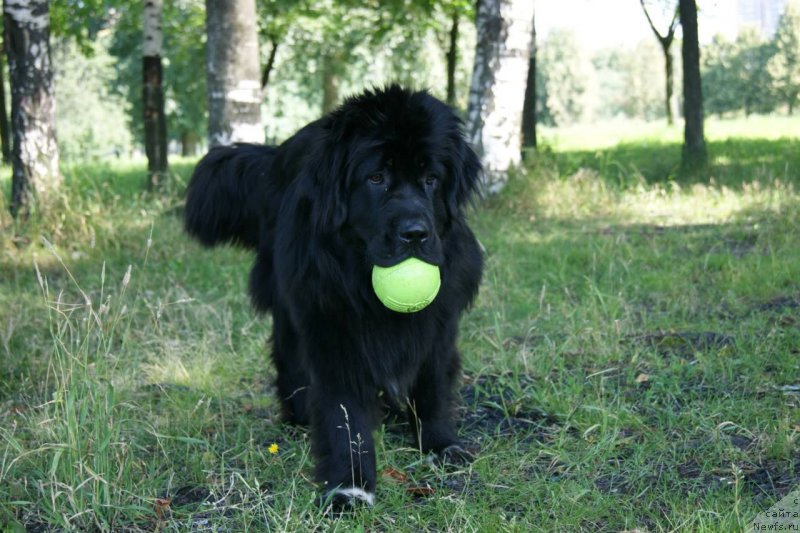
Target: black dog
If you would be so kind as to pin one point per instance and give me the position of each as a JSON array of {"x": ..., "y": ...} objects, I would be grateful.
[{"x": 384, "y": 177}]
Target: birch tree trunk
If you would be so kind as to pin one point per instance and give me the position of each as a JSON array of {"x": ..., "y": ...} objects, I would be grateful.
[
  {"x": 34, "y": 156},
  {"x": 5, "y": 141},
  {"x": 497, "y": 92},
  {"x": 694, "y": 143},
  {"x": 155, "y": 123},
  {"x": 234, "y": 84}
]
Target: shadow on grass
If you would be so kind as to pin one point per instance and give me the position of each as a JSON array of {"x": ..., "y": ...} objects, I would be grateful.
[
  {"x": 733, "y": 162},
  {"x": 125, "y": 180}
]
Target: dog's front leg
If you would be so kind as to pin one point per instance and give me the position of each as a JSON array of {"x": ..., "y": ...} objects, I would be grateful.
[
  {"x": 430, "y": 405},
  {"x": 341, "y": 440}
]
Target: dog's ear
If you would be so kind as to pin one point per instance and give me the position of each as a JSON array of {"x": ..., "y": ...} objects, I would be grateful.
[
  {"x": 325, "y": 170},
  {"x": 465, "y": 169}
]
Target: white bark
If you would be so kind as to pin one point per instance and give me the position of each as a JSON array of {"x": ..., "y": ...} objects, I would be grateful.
[
  {"x": 497, "y": 92},
  {"x": 153, "y": 34},
  {"x": 154, "y": 119},
  {"x": 233, "y": 73},
  {"x": 35, "y": 152}
]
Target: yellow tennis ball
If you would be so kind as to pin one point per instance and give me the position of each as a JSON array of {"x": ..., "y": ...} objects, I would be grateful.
[{"x": 408, "y": 286}]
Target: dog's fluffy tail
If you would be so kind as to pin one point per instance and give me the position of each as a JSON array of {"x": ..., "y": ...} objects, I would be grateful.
[{"x": 225, "y": 194}]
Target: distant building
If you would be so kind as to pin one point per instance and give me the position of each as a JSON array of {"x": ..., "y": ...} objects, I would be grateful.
[{"x": 762, "y": 15}]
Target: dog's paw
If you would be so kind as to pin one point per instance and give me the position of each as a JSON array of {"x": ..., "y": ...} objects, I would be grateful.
[
  {"x": 341, "y": 500},
  {"x": 453, "y": 455}
]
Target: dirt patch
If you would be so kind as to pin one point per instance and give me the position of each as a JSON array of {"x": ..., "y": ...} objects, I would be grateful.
[
  {"x": 770, "y": 479},
  {"x": 614, "y": 483},
  {"x": 188, "y": 495},
  {"x": 703, "y": 479},
  {"x": 783, "y": 310},
  {"x": 492, "y": 409},
  {"x": 780, "y": 304}
]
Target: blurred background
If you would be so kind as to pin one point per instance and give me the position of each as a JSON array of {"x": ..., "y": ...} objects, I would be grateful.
[{"x": 597, "y": 63}]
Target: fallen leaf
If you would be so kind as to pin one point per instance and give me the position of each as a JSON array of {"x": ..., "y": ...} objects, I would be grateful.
[
  {"x": 161, "y": 507},
  {"x": 420, "y": 491},
  {"x": 642, "y": 378},
  {"x": 392, "y": 473}
]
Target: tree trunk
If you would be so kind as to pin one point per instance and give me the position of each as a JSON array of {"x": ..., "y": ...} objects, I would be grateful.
[
  {"x": 188, "y": 143},
  {"x": 234, "y": 87},
  {"x": 330, "y": 81},
  {"x": 666, "y": 44},
  {"x": 155, "y": 122},
  {"x": 694, "y": 144},
  {"x": 452, "y": 59},
  {"x": 270, "y": 63},
  {"x": 5, "y": 143},
  {"x": 34, "y": 156},
  {"x": 670, "y": 84},
  {"x": 529, "y": 106},
  {"x": 494, "y": 113}
]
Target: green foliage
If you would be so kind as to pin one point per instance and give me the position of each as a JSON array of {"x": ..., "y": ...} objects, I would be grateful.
[
  {"x": 631, "y": 82},
  {"x": 91, "y": 121},
  {"x": 735, "y": 75},
  {"x": 183, "y": 62},
  {"x": 565, "y": 79},
  {"x": 719, "y": 89},
  {"x": 357, "y": 45},
  {"x": 80, "y": 20},
  {"x": 752, "y": 77},
  {"x": 784, "y": 65},
  {"x": 328, "y": 49}
]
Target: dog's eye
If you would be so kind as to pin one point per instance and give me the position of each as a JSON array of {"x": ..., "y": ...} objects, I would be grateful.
[
  {"x": 376, "y": 178},
  {"x": 431, "y": 180}
]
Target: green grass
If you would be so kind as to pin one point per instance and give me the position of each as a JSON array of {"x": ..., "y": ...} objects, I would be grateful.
[
  {"x": 609, "y": 133},
  {"x": 631, "y": 361}
]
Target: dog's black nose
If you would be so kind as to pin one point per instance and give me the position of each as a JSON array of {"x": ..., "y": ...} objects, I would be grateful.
[{"x": 412, "y": 232}]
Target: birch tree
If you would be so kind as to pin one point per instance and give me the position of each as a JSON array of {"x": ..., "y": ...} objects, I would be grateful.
[
  {"x": 233, "y": 77},
  {"x": 497, "y": 91},
  {"x": 5, "y": 141},
  {"x": 155, "y": 122},
  {"x": 34, "y": 156}
]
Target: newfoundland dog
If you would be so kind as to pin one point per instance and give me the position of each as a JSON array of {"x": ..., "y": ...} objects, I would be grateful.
[{"x": 384, "y": 177}]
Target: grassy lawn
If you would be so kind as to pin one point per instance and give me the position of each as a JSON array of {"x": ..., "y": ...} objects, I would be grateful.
[{"x": 632, "y": 361}]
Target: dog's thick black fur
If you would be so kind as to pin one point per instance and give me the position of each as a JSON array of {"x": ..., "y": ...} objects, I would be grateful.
[{"x": 384, "y": 177}]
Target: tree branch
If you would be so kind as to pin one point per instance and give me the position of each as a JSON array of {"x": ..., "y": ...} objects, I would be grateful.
[
  {"x": 673, "y": 25},
  {"x": 270, "y": 62},
  {"x": 665, "y": 40}
]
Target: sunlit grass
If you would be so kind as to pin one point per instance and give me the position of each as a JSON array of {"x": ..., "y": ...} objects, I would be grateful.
[
  {"x": 586, "y": 195},
  {"x": 608, "y": 133}
]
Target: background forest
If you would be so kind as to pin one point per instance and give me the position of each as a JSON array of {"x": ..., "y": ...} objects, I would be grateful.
[{"x": 98, "y": 70}]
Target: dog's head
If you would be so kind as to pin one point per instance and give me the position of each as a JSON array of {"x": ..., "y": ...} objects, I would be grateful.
[{"x": 394, "y": 172}]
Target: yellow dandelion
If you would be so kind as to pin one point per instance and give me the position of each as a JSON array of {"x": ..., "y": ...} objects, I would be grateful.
[{"x": 273, "y": 448}]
